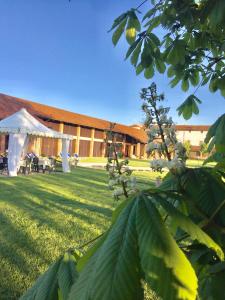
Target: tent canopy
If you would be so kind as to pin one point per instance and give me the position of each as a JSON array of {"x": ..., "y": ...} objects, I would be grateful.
[
  {"x": 25, "y": 123},
  {"x": 20, "y": 126}
]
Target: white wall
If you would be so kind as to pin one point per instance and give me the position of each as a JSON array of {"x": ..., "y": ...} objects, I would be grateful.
[{"x": 195, "y": 137}]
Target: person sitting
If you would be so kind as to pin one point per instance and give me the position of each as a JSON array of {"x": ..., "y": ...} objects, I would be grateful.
[
  {"x": 76, "y": 158},
  {"x": 35, "y": 164}
]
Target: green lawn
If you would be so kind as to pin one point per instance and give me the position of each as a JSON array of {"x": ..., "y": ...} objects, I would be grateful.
[
  {"x": 43, "y": 215},
  {"x": 138, "y": 162}
]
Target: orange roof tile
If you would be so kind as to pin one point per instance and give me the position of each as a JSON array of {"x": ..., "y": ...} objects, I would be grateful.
[
  {"x": 10, "y": 105},
  {"x": 192, "y": 127}
]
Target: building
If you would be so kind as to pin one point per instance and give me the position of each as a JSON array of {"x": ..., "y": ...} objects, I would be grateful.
[
  {"x": 88, "y": 132},
  {"x": 195, "y": 134}
]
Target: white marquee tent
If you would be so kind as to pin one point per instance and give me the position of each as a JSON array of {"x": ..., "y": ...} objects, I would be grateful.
[{"x": 19, "y": 127}]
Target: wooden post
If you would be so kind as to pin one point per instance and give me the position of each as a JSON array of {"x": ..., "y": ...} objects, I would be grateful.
[
  {"x": 77, "y": 147},
  {"x": 138, "y": 150},
  {"x": 91, "y": 149},
  {"x": 59, "y": 142},
  {"x": 124, "y": 146},
  {"x": 38, "y": 145},
  {"x": 145, "y": 153},
  {"x": 104, "y": 146},
  {"x": 131, "y": 150}
]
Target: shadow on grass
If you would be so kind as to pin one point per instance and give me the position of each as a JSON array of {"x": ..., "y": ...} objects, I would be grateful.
[
  {"x": 42, "y": 215},
  {"x": 71, "y": 205}
]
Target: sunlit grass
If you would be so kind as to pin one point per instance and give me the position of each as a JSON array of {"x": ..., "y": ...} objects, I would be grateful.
[
  {"x": 43, "y": 215},
  {"x": 139, "y": 162}
]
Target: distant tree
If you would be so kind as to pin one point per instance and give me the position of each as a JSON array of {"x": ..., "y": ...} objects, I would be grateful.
[
  {"x": 203, "y": 148},
  {"x": 187, "y": 146}
]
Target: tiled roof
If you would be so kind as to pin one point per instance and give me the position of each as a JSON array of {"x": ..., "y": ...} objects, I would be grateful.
[
  {"x": 192, "y": 127},
  {"x": 182, "y": 127},
  {"x": 10, "y": 105}
]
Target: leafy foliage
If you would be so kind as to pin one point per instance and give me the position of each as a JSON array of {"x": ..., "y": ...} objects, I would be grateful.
[
  {"x": 138, "y": 248},
  {"x": 56, "y": 282},
  {"x": 189, "y": 107},
  {"x": 192, "y": 49},
  {"x": 204, "y": 191},
  {"x": 216, "y": 135},
  {"x": 187, "y": 146},
  {"x": 127, "y": 22}
]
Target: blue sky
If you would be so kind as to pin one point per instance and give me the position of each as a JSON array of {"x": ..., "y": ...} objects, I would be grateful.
[{"x": 59, "y": 53}]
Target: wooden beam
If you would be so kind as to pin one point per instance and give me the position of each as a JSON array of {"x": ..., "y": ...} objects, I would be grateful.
[
  {"x": 77, "y": 147},
  {"x": 91, "y": 149},
  {"x": 59, "y": 143},
  {"x": 138, "y": 150},
  {"x": 104, "y": 146},
  {"x": 131, "y": 150}
]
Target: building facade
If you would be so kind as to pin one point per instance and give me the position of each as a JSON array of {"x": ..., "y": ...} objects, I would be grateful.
[
  {"x": 195, "y": 134},
  {"x": 89, "y": 133}
]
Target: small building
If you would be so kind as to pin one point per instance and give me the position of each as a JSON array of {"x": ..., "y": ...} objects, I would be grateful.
[
  {"x": 88, "y": 132},
  {"x": 195, "y": 134}
]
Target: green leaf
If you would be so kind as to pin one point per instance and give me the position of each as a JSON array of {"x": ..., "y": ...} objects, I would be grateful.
[
  {"x": 46, "y": 287},
  {"x": 67, "y": 274},
  {"x": 133, "y": 26},
  {"x": 56, "y": 282},
  {"x": 92, "y": 250},
  {"x": 205, "y": 79},
  {"x": 139, "y": 69},
  {"x": 194, "y": 77},
  {"x": 160, "y": 65},
  {"x": 132, "y": 48},
  {"x": 185, "y": 85},
  {"x": 221, "y": 84},
  {"x": 117, "y": 34},
  {"x": 113, "y": 272},
  {"x": 134, "y": 21},
  {"x": 175, "y": 81},
  {"x": 146, "y": 55},
  {"x": 130, "y": 35},
  {"x": 204, "y": 187},
  {"x": 195, "y": 109},
  {"x": 136, "y": 53},
  {"x": 170, "y": 71},
  {"x": 188, "y": 107},
  {"x": 154, "y": 39},
  {"x": 213, "y": 87},
  {"x": 118, "y": 20},
  {"x": 215, "y": 157},
  {"x": 148, "y": 14},
  {"x": 153, "y": 23},
  {"x": 185, "y": 223},
  {"x": 161, "y": 259},
  {"x": 217, "y": 131},
  {"x": 177, "y": 53},
  {"x": 149, "y": 72}
]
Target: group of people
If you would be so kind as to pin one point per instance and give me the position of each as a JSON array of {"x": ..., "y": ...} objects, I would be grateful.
[{"x": 3, "y": 161}]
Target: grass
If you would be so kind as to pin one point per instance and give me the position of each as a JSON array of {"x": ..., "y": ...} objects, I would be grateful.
[
  {"x": 43, "y": 215},
  {"x": 138, "y": 162}
]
